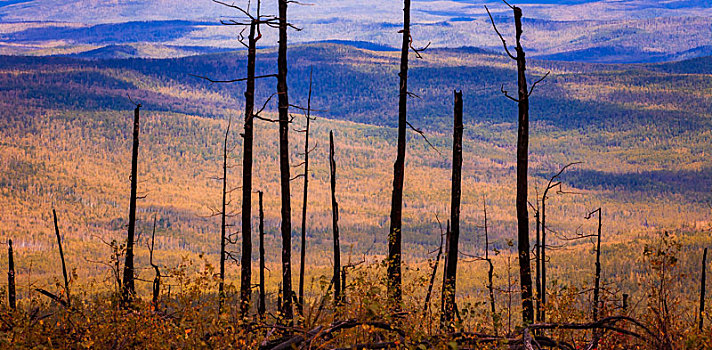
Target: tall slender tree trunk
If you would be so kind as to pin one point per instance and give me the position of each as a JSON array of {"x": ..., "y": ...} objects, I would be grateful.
[
  {"x": 287, "y": 310},
  {"x": 335, "y": 222},
  {"x": 537, "y": 216},
  {"x": 432, "y": 276},
  {"x": 703, "y": 285},
  {"x": 223, "y": 221},
  {"x": 246, "y": 257},
  {"x": 61, "y": 257},
  {"x": 395, "y": 232},
  {"x": 597, "y": 282},
  {"x": 542, "y": 307},
  {"x": 261, "y": 308},
  {"x": 451, "y": 262},
  {"x": 522, "y": 173},
  {"x": 490, "y": 272},
  {"x": 11, "y": 296},
  {"x": 128, "y": 290},
  {"x": 157, "y": 278},
  {"x": 304, "y": 201}
]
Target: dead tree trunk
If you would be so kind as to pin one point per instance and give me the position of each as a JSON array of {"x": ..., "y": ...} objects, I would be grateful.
[
  {"x": 261, "y": 307},
  {"x": 304, "y": 199},
  {"x": 597, "y": 282},
  {"x": 490, "y": 272},
  {"x": 522, "y": 164},
  {"x": 435, "y": 270},
  {"x": 447, "y": 256},
  {"x": 553, "y": 183},
  {"x": 11, "y": 296},
  {"x": 61, "y": 256},
  {"x": 537, "y": 216},
  {"x": 703, "y": 285},
  {"x": 128, "y": 290},
  {"x": 284, "y": 163},
  {"x": 394, "y": 235},
  {"x": 223, "y": 221},
  {"x": 246, "y": 256},
  {"x": 335, "y": 222},
  {"x": 451, "y": 262},
  {"x": 157, "y": 278}
]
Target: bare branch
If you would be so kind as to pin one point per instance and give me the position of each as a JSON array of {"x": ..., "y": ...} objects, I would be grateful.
[{"x": 504, "y": 42}]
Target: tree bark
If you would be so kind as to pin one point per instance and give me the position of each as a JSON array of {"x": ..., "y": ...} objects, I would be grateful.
[
  {"x": 335, "y": 222},
  {"x": 11, "y": 296},
  {"x": 286, "y": 226},
  {"x": 522, "y": 173},
  {"x": 394, "y": 235},
  {"x": 128, "y": 289},
  {"x": 261, "y": 307},
  {"x": 451, "y": 262},
  {"x": 597, "y": 283},
  {"x": 61, "y": 256},
  {"x": 304, "y": 200},
  {"x": 246, "y": 256},
  {"x": 703, "y": 285}
]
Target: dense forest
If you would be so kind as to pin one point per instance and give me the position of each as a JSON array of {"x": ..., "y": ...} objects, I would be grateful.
[{"x": 583, "y": 223}]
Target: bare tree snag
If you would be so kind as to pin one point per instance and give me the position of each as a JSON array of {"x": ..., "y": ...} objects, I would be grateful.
[
  {"x": 490, "y": 271},
  {"x": 128, "y": 290},
  {"x": 553, "y": 183},
  {"x": 522, "y": 165},
  {"x": 451, "y": 261},
  {"x": 246, "y": 256},
  {"x": 597, "y": 281},
  {"x": 223, "y": 220},
  {"x": 61, "y": 256},
  {"x": 395, "y": 231},
  {"x": 335, "y": 221},
  {"x": 286, "y": 226},
  {"x": 435, "y": 270},
  {"x": 703, "y": 285},
  {"x": 11, "y": 296},
  {"x": 304, "y": 199},
  {"x": 537, "y": 216},
  {"x": 444, "y": 285},
  {"x": 261, "y": 307},
  {"x": 157, "y": 278}
]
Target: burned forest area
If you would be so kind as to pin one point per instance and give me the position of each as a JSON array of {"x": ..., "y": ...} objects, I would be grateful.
[{"x": 348, "y": 195}]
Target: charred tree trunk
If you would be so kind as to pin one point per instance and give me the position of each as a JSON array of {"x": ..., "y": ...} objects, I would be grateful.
[
  {"x": 223, "y": 221},
  {"x": 157, "y": 278},
  {"x": 246, "y": 256},
  {"x": 394, "y": 235},
  {"x": 522, "y": 171},
  {"x": 542, "y": 300},
  {"x": 428, "y": 295},
  {"x": 61, "y": 256},
  {"x": 451, "y": 262},
  {"x": 447, "y": 256},
  {"x": 597, "y": 283},
  {"x": 335, "y": 222},
  {"x": 128, "y": 290},
  {"x": 287, "y": 310},
  {"x": 304, "y": 200},
  {"x": 261, "y": 307},
  {"x": 703, "y": 285},
  {"x": 537, "y": 216},
  {"x": 490, "y": 272},
  {"x": 11, "y": 296}
]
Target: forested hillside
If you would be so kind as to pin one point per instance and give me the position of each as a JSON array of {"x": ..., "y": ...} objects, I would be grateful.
[{"x": 639, "y": 135}]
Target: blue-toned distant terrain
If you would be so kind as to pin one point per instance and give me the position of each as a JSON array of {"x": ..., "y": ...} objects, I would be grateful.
[{"x": 568, "y": 30}]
